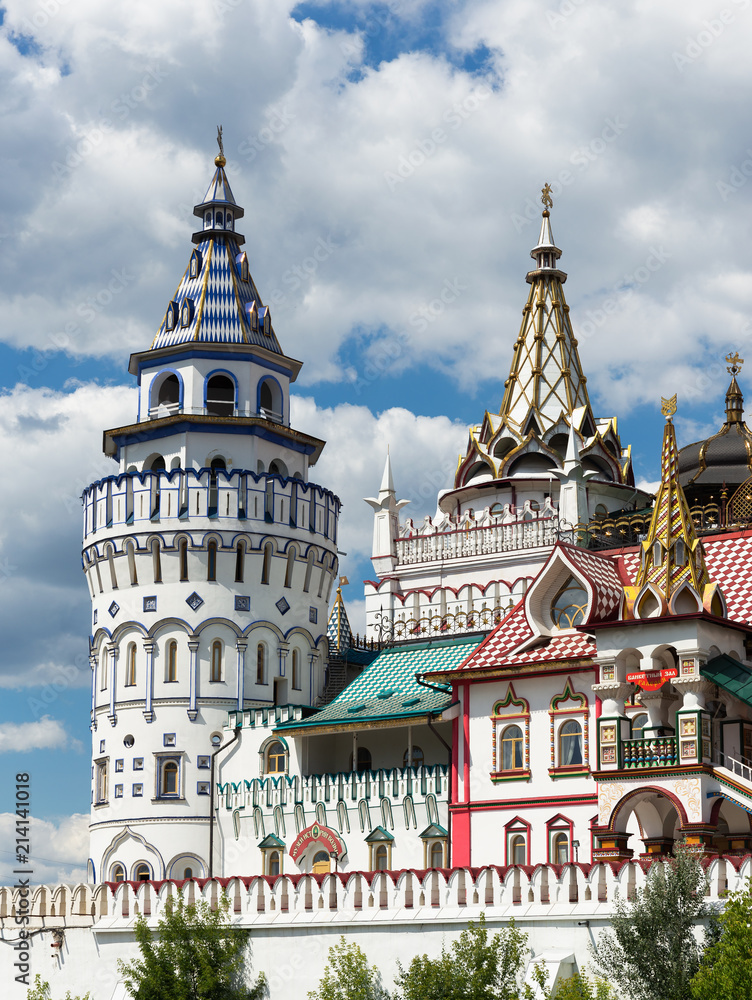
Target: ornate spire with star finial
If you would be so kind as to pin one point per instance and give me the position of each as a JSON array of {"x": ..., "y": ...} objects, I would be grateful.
[
  {"x": 546, "y": 379},
  {"x": 672, "y": 554}
]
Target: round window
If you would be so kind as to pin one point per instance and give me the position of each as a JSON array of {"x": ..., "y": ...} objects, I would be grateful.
[{"x": 128, "y": 741}]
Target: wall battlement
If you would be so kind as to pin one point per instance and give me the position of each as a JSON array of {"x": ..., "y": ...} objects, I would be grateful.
[{"x": 542, "y": 892}]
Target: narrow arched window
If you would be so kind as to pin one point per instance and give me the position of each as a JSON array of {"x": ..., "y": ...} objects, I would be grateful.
[
  {"x": 265, "y": 396},
  {"x": 267, "y": 564},
  {"x": 117, "y": 874},
  {"x": 171, "y": 667},
  {"x": 156, "y": 556},
  {"x": 417, "y": 757},
  {"x": 381, "y": 858},
  {"x": 561, "y": 849},
  {"x": 142, "y": 873},
  {"x": 296, "y": 670},
  {"x": 131, "y": 552},
  {"x": 364, "y": 760},
  {"x": 511, "y": 749},
  {"x": 518, "y": 850},
  {"x": 309, "y": 571},
  {"x": 217, "y": 464},
  {"x": 220, "y": 396},
  {"x": 274, "y": 863},
  {"x": 276, "y": 758},
  {"x": 437, "y": 855},
  {"x": 130, "y": 665},
  {"x": 168, "y": 393},
  {"x": 216, "y": 661},
  {"x": 290, "y": 567},
  {"x": 239, "y": 562},
  {"x": 570, "y": 743},
  {"x": 104, "y": 666},
  {"x": 183, "y": 559},
  {"x": 261, "y": 663},
  {"x": 211, "y": 565},
  {"x": 170, "y": 778}
]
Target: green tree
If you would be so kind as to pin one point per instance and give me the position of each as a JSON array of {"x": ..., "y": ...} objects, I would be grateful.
[
  {"x": 41, "y": 991},
  {"x": 476, "y": 967},
  {"x": 195, "y": 955},
  {"x": 581, "y": 987},
  {"x": 651, "y": 952},
  {"x": 348, "y": 976},
  {"x": 725, "y": 971}
]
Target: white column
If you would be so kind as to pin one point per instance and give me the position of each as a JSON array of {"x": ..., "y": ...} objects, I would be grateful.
[
  {"x": 193, "y": 679},
  {"x": 149, "y": 650},
  {"x": 241, "y": 647},
  {"x": 113, "y": 649}
]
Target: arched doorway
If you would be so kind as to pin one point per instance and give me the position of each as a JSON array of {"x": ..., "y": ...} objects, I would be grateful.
[
  {"x": 322, "y": 863},
  {"x": 646, "y": 823}
]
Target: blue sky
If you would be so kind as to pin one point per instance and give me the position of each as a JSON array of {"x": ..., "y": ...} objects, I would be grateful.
[{"x": 411, "y": 140}]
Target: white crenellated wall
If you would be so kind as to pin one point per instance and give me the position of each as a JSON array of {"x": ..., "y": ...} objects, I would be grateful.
[{"x": 295, "y": 919}]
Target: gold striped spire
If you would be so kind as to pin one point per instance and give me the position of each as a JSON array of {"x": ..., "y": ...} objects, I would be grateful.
[
  {"x": 546, "y": 379},
  {"x": 672, "y": 554}
]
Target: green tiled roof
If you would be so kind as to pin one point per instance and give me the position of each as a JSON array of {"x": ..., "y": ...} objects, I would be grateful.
[
  {"x": 387, "y": 689},
  {"x": 731, "y": 675}
]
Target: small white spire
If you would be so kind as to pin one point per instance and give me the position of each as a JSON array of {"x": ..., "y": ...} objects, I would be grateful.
[
  {"x": 572, "y": 457},
  {"x": 387, "y": 482}
]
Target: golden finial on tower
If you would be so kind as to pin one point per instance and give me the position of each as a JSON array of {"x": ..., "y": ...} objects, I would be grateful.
[
  {"x": 220, "y": 160},
  {"x": 546, "y": 196},
  {"x": 668, "y": 406},
  {"x": 734, "y": 363}
]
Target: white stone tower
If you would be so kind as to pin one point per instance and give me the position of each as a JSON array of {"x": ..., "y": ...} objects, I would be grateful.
[{"x": 209, "y": 556}]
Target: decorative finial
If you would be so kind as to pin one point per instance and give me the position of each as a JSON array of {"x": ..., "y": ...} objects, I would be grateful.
[
  {"x": 546, "y": 198},
  {"x": 220, "y": 160},
  {"x": 734, "y": 363},
  {"x": 668, "y": 406}
]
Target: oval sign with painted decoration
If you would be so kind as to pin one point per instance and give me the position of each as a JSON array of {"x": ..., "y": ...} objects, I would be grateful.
[{"x": 319, "y": 835}]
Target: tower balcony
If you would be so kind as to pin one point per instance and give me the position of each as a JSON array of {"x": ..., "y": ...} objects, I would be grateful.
[
  {"x": 460, "y": 538},
  {"x": 206, "y": 498},
  {"x": 163, "y": 410}
]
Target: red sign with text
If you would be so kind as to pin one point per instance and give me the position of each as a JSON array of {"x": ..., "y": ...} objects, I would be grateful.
[
  {"x": 651, "y": 680},
  {"x": 318, "y": 834}
]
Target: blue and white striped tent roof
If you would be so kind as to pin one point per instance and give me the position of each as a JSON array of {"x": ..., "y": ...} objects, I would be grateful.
[
  {"x": 219, "y": 302},
  {"x": 219, "y": 190}
]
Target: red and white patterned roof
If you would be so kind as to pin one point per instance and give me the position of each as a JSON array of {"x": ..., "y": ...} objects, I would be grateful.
[
  {"x": 729, "y": 563},
  {"x": 602, "y": 573}
]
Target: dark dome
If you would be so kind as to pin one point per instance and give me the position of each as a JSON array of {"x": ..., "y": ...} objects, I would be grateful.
[{"x": 723, "y": 458}]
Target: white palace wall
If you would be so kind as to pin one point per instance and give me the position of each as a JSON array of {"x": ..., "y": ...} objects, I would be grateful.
[{"x": 77, "y": 933}]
